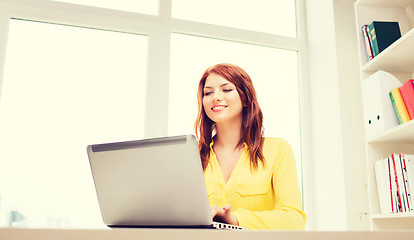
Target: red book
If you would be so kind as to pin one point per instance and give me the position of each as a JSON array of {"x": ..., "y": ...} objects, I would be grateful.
[
  {"x": 407, "y": 94},
  {"x": 396, "y": 181},
  {"x": 367, "y": 43},
  {"x": 390, "y": 180}
]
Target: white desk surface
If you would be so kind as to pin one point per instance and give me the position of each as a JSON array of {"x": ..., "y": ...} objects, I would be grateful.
[{"x": 184, "y": 234}]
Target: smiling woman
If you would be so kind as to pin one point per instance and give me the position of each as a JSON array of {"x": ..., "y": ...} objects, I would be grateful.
[
  {"x": 251, "y": 180},
  {"x": 276, "y": 81}
]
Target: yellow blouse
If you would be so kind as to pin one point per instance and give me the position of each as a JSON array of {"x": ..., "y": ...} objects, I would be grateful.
[{"x": 265, "y": 198}]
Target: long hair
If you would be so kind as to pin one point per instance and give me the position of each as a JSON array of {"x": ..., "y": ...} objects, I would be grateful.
[{"x": 252, "y": 117}]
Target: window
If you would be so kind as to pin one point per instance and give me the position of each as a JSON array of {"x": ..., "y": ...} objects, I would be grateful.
[
  {"x": 78, "y": 72},
  {"x": 64, "y": 89},
  {"x": 269, "y": 16},
  {"x": 139, "y": 6}
]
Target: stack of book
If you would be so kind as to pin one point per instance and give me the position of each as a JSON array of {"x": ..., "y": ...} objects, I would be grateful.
[
  {"x": 378, "y": 36},
  {"x": 395, "y": 183},
  {"x": 402, "y": 99}
]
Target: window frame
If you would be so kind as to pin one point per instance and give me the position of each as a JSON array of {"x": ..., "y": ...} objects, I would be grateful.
[{"x": 158, "y": 29}]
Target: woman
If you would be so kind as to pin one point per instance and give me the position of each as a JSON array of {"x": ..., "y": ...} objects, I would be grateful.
[{"x": 251, "y": 180}]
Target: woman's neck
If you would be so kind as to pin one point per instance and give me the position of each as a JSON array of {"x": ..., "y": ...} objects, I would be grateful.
[{"x": 228, "y": 135}]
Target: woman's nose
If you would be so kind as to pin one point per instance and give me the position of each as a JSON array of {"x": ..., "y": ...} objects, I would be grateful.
[{"x": 217, "y": 97}]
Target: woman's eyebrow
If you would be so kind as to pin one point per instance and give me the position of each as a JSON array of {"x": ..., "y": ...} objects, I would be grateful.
[{"x": 222, "y": 85}]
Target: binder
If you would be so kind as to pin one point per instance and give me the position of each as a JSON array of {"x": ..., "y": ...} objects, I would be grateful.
[
  {"x": 384, "y": 189},
  {"x": 379, "y": 114}
]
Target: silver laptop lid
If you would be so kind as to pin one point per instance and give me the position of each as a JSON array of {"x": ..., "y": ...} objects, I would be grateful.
[{"x": 152, "y": 182}]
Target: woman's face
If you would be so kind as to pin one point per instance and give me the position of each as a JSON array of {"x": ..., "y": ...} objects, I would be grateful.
[{"x": 221, "y": 101}]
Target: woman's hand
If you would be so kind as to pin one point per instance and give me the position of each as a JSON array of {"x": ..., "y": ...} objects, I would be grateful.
[{"x": 223, "y": 215}]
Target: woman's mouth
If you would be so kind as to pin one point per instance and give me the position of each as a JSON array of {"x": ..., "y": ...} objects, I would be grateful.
[{"x": 218, "y": 108}]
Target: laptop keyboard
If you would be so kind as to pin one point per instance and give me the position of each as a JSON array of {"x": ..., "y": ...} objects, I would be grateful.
[{"x": 219, "y": 225}]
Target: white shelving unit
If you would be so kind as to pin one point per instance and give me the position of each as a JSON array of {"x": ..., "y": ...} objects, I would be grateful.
[{"x": 397, "y": 59}]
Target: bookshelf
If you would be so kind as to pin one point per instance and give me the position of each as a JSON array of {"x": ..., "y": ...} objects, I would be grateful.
[
  {"x": 393, "y": 216},
  {"x": 400, "y": 133},
  {"x": 397, "y": 59}
]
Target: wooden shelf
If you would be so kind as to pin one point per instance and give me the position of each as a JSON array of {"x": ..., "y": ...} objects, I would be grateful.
[
  {"x": 385, "y": 3},
  {"x": 398, "y": 57},
  {"x": 401, "y": 133},
  {"x": 393, "y": 215}
]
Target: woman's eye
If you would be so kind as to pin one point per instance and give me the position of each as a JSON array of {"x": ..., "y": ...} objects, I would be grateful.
[
  {"x": 227, "y": 90},
  {"x": 207, "y": 93}
]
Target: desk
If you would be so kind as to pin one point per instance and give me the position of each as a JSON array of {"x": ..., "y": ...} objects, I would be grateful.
[{"x": 193, "y": 234}]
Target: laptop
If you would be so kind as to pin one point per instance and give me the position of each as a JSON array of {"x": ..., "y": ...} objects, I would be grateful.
[{"x": 152, "y": 183}]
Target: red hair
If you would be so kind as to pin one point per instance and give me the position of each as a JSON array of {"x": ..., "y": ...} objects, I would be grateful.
[{"x": 252, "y": 117}]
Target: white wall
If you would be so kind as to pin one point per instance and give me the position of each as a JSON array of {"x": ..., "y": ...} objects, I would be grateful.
[
  {"x": 351, "y": 114},
  {"x": 339, "y": 183}
]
